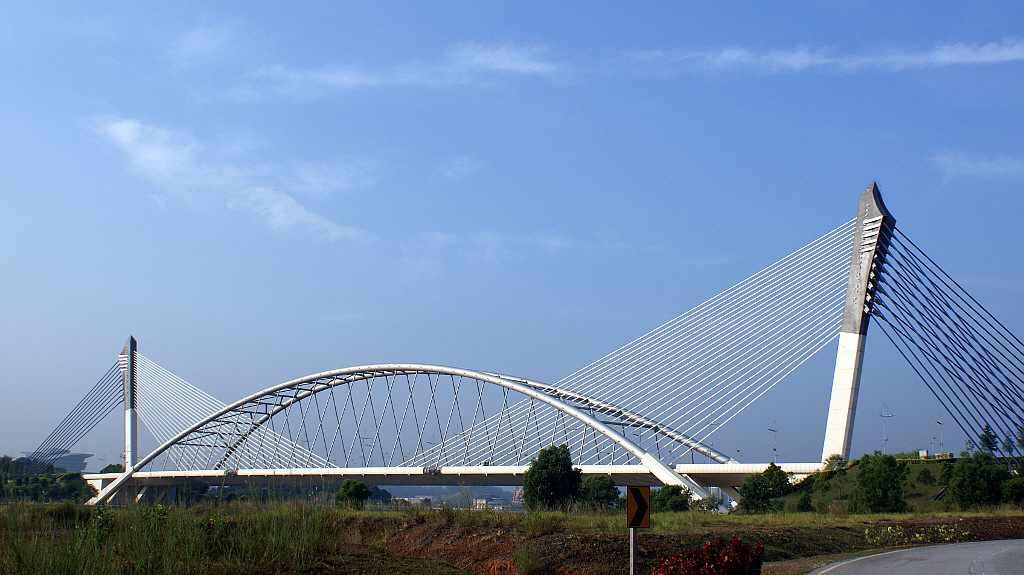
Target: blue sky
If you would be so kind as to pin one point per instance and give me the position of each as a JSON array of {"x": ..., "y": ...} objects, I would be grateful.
[{"x": 263, "y": 191}]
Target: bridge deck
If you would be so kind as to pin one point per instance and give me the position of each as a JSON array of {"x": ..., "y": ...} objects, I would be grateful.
[{"x": 717, "y": 474}]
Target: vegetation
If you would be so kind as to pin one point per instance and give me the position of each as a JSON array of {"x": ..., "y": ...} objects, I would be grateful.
[
  {"x": 599, "y": 492},
  {"x": 758, "y": 491},
  {"x": 977, "y": 480},
  {"x": 714, "y": 558},
  {"x": 671, "y": 498},
  {"x": 879, "y": 486},
  {"x": 292, "y": 538},
  {"x": 353, "y": 494},
  {"x": 551, "y": 482},
  {"x": 25, "y": 480},
  {"x": 1013, "y": 491}
]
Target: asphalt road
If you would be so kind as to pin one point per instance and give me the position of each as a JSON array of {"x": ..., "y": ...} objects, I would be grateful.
[{"x": 981, "y": 558}]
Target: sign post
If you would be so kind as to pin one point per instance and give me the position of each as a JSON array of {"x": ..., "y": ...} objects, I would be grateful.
[{"x": 638, "y": 516}]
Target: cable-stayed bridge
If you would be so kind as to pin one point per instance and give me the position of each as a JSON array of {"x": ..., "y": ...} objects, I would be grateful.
[{"x": 635, "y": 414}]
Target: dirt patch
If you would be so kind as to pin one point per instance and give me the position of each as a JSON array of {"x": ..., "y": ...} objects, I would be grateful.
[{"x": 494, "y": 551}]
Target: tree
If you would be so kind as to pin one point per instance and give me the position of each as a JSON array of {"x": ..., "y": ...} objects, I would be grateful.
[
  {"x": 671, "y": 498},
  {"x": 757, "y": 491},
  {"x": 987, "y": 440},
  {"x": 113, "y": 468},
  {"x": 925, "y": 477},
  {"x": 879, "y": 485},
  {"x": 599, "y": 492},
  {"x": 1013, "y": 491},
  {"x": 977, "y": 480},
  {"x": 1020, "y": 438},
  {"x": 551, "y": 482},
  {"x": 353, "y": 494}
]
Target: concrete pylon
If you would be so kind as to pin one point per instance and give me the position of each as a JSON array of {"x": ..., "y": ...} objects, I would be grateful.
[
  {"x": 129, "y": 375},
  {"x": 871, "y": 236}
]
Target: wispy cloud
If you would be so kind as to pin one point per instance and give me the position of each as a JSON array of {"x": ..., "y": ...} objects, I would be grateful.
[
  {"x": 513, "y": 58},
  {"x": 811, "y": 58},
  {"x": 189, "y": 169},
  {"x": 461, "y": 64},
  {"x": 203, "y": 42},
  {"x": 954, "y": 165},
  {"x": 459, "y": 168}
]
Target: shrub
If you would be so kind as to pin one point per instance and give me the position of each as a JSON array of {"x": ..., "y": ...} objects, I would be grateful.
[
  {"x": 977, "y": 480},
  {"x": 879, "y": 486},
  {"x": 551, "y": 482},
  {"x": 804, "y": 504},
  {"x": 671, "y": 498},
  {"x": 599, "y": 492},
  {"x": 352, "y": 494},
  {"x": 1013, "y": 491},
  {"x": 714, "y": 558},
  {"x": 925, "y": 477},
  {"x": 757, "y": 491}
]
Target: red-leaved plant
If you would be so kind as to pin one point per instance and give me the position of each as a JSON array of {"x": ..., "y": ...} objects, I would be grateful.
[{"x": 714, "y": 558}]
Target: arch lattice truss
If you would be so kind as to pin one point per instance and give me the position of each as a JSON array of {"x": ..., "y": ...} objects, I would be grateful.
[{"x": 405, "y": 415}]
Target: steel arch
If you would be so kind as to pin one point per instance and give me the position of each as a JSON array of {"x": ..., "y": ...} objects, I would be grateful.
[{"x": 310, "y": 385}]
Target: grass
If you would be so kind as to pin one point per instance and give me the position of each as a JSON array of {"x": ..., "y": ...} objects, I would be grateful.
[{"x": 301, "y": 538}]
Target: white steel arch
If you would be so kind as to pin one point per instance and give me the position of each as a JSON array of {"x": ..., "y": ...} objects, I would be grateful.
[{"x": 250, "y": 412}]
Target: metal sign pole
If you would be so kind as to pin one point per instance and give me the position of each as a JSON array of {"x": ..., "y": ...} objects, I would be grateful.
[{"x": 632, "y": 553}]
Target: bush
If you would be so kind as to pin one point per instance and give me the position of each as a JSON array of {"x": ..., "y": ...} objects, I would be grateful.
[
  {"x": 757, "y": 491},
  {"x": 551, "y": 482},
  {"x": 804, "y": 504},
  {"x": 925, "y": 477},
  {"x": 1013, "y": 491},
  {"x": 714, "y": 558},
  {"x": 671, "y": 498},
  {"x": 353, "y": 494},
  {"x": 977, "y": 480},
  {"x": 879, "y": 487},
  {"x": 599, "y": 492}
]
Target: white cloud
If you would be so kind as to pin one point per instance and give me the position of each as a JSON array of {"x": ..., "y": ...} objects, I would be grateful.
[
  {"x": 321, "y": 178},
  {"x": 204, "y": 42},
  {"x": 184, "y": 167},
  {"x": 805, "y": 58},
  {"x": 462, "y": 64},
  {"x": 459, "y": 168},
  {"x": 960, "y": 165},
  {"x": 528, "y": 60}
]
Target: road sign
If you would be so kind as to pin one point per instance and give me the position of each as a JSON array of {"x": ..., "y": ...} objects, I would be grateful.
[{"x": 638, "y": 507}]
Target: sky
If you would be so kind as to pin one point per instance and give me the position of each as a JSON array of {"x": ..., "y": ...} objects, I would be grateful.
[{"x": 261, "y": 191}]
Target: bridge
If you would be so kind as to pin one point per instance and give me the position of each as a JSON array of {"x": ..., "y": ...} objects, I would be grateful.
[{"x": 634, "y": 415}]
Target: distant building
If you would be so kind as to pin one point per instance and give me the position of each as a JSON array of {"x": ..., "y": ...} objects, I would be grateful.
[
  {"x": 412, "y": 501},
  {"x": 496, "y": 503}
]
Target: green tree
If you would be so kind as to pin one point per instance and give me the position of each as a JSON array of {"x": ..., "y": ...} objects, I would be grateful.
[
  {"x": 879, "y": 485},
  {"x": 671, "y": 498},
  {"x": 925, "y": 477},
  {"x": 987, "y": 440},
  {"x": 352, "y": 494},
  {"x": 113, "y": 468},
  {"x": 551, "y": 482},
  {"x": 1013, "y": 491},
  {"x": 599, "y": 492},
  {"x": 977, "y": 480},
  {"x": 758, "y": 490}
]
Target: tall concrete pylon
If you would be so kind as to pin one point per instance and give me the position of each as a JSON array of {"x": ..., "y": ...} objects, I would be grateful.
[
  {"x": 870, "y": 244},
  {"x": 129, "y": 376}
]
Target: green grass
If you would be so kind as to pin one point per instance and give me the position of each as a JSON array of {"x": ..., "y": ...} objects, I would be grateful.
[{"x": 300, "y": 538}]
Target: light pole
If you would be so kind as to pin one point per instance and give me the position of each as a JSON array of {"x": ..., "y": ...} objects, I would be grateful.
[
  {"x": 885, "y": 414},
  {"x": 939, "y": 422}
]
